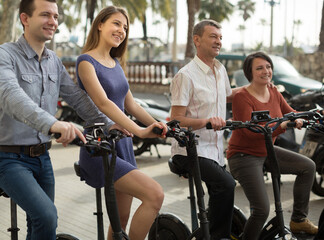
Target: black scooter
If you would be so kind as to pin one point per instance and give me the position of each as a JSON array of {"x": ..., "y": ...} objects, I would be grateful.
[
  {"x": 169, "y": 226},
  {"x": 275, "y": 228},
  {"x": 312, "y": 144},
  {"x": 103, "y": 145}
]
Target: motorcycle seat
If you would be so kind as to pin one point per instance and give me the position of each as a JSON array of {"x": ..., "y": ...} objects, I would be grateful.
[
  {"x": 158, "y": 106},
  {"x": 176, "y": 169}
]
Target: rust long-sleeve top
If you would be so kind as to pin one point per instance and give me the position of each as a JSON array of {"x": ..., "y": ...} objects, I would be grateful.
[{"x": 245, "y": 141}]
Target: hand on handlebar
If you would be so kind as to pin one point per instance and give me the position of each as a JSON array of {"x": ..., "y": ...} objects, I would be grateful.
[
  {"x": 68, "y": 132},
  {"x": 149, "y": 133},
  {"x": 216, "y": 123},
  {"x": 298, "y": 123},
  {"x": 123, "y": 130}
]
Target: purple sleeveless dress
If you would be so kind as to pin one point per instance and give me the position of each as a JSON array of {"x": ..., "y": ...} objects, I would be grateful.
[{"x": 115, "y": 84}]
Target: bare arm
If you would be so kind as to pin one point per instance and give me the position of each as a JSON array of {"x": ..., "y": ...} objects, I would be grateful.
[
  {"x": 94, "y": 89},
  {"x": 137, "y": 111}
]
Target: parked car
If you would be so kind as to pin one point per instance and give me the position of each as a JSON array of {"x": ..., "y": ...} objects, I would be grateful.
[{"x": 284, "y": 74}]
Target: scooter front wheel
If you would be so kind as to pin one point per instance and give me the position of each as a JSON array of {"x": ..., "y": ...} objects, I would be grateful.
[
  {"x": 64, "y": 236},
  {"x": 238, "y": 223},
  {"x": 168, "y": 227}
]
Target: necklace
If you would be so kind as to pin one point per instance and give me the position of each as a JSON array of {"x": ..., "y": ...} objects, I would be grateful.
[
  {"x": 106, "y": 61},
  {"x": 110, "y": 63}
]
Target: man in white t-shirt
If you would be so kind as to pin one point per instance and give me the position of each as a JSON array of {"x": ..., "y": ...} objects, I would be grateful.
[{"x": 199, "y": 93}]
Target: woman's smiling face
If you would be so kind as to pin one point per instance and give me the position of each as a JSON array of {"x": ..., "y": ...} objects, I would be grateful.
[
  {"x": 261, "y": 71},
  {"x": 113, "y": 30}
]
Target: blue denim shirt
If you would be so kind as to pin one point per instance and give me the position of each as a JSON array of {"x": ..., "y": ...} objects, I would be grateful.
[{"x": 29, "y": 90}]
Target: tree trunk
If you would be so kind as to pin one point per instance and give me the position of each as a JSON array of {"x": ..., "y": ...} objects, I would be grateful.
[
  {"x": 8, "y": 20},
  {"x": 321, "y": 45},
  {"x": 190, "y": 47},
  {"x": 91, "y": 9}
]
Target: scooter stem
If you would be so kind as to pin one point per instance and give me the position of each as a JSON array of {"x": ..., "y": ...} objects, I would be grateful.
[
  {"x": 192, "y": 152},
  {"x": 275, "y": 176}
]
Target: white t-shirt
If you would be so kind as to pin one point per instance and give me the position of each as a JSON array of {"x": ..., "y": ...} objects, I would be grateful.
[{"x": 196, "y": 87}]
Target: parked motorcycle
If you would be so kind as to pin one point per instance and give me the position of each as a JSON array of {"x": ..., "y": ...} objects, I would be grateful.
[
  {"x": 313, "y": 147},
  {"x": 159, "y": 113},
  {"x": 312, "y": 144},
  {"x": 66, "y": 113}
]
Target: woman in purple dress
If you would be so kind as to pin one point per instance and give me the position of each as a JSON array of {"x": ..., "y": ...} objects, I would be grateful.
[{"x": 101, "y": 75}]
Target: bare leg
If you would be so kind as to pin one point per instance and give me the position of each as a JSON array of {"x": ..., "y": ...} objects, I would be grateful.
[{"x": 137, "y": 184}]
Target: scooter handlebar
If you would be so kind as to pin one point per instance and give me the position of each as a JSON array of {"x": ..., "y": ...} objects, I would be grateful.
[
  {"x": 77, "y": 141},
  {"x": 293, "y": 124},
  {"x": 228, "y": 124},
  {"x": 157, "y": 130}
]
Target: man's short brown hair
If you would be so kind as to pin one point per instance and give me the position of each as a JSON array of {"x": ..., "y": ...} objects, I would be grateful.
[{"x": 28, "y": 6}]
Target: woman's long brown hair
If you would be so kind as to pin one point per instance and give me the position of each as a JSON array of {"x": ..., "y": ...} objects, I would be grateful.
[{"x": 93, "y": 36}]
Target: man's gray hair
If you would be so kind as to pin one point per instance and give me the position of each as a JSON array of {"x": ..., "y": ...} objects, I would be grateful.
[{"x": 199, "y": 27}]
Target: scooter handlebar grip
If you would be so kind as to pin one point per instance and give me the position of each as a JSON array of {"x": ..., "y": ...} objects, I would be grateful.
[
  {"x": 209, "y": 125},
  {"x": 157, "y": 130},
  {"x": 291, "y": 124},
  {"x": 76, "y": 141},
  {"x": 57, "y": 135}
]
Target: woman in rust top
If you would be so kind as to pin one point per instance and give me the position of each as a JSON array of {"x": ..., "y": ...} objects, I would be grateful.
[{"x": 246, "y": 153}]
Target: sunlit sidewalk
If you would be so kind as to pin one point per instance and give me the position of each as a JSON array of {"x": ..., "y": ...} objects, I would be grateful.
[{"x": 75, "y": 200}]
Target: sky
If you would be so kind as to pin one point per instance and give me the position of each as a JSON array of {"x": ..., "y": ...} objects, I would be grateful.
[
  {"x": 307, "y": 33},
  {"x": 309, "y": 12}
]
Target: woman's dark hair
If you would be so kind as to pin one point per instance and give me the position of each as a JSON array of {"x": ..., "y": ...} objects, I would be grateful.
[{"x": 247, "y": 64}]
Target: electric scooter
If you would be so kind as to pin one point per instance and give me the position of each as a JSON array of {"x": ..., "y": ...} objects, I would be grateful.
[
  {"x": 275, "y": 228},
  {"x": 169, "y": 226},
  {"x": 101, "y": 144}
]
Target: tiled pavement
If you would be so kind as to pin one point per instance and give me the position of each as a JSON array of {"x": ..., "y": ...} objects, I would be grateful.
[{"x": 75, "y": 200}]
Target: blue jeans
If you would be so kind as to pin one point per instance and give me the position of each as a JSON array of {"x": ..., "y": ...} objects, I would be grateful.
[{"x": 29, "y": 181}]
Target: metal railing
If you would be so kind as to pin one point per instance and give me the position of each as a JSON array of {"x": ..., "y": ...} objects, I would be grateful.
[{"x": 150, "y": 73}]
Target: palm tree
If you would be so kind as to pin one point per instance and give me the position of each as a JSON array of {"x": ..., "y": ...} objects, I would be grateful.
[
  {"x": 193, "y": 6},
  {"x": 217, "y": 10},
  {"x": 321, "y": 36},
  {"x": 263, "y": 23},
  {"x": 247, "y": 7},
  {"x": 214, "y": 9},
  {"x": 242, "y": 28},
  {"x": 296, "y": 24}
]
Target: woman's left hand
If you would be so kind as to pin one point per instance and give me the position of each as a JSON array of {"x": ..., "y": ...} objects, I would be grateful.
[{"x": 123, "y": 130}]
